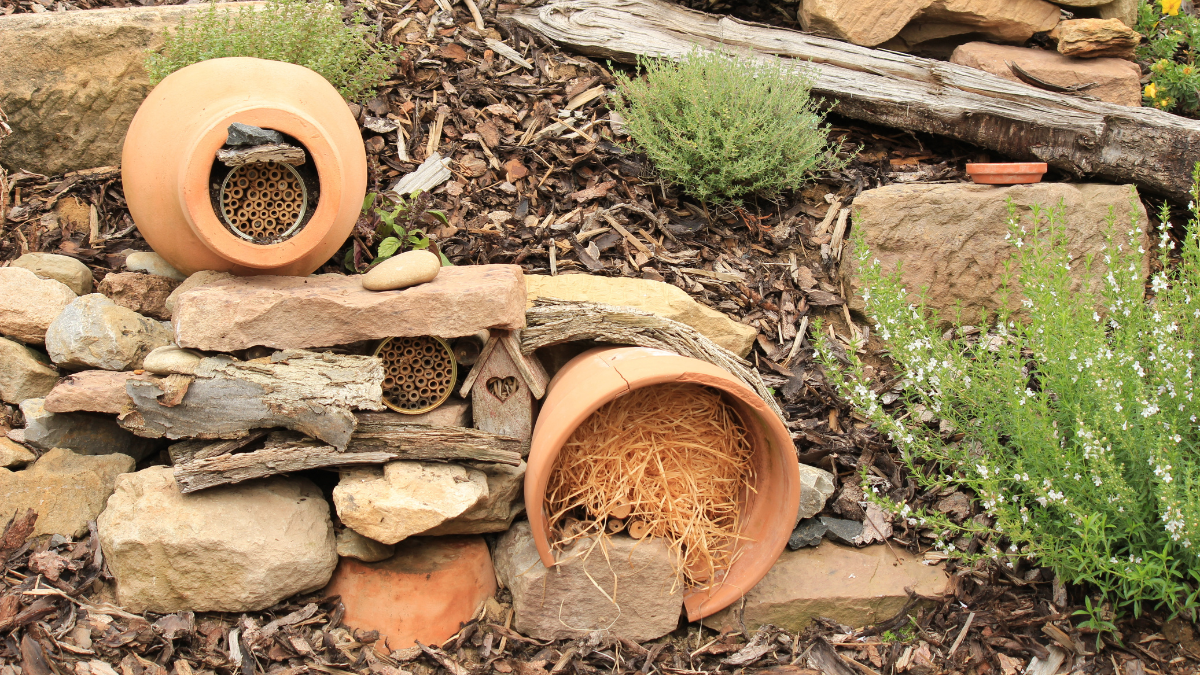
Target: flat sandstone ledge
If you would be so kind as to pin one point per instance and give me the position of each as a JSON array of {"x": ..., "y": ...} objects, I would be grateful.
[{"x": 332, "y": 309}]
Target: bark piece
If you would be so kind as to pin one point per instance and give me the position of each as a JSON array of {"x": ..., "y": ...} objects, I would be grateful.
[
  {"x": 232, "y": 314},
  {"x": 305, "y": 391},
  {"x": 269, "y": 152},
  {"x": 1149, "y": 147},
  {"x": 394, "y": 434}
]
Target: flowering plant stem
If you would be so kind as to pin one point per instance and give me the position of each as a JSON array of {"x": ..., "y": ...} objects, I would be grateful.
[{"x": 1071, "y": 419}]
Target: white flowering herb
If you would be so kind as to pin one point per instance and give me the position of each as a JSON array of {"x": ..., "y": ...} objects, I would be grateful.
[{"x": 1078, "y": 432}]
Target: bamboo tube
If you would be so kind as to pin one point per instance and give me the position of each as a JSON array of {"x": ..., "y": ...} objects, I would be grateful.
[
  {"x": 638, "y": 529},
  {"x": 614, "y": 525}
]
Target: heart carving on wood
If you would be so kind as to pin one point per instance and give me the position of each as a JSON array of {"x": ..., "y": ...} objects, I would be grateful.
[{"x": 502, "y": 387}]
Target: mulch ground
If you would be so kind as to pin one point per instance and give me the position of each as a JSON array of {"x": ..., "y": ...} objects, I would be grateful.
[{"x": 542, "y": 179}]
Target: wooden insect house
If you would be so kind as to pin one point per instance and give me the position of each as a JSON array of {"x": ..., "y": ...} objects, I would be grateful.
[{"x": 503, "y": 384}]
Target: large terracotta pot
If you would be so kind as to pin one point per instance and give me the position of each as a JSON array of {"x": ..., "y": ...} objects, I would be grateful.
[
  {"x": 601, "y": 375},
  {"x": 173, "y": 140}
]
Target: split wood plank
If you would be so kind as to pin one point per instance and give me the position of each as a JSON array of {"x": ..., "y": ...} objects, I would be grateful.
[{"x": 1151, "y": 148}]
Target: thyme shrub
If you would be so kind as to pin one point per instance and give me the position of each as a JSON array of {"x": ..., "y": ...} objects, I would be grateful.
[
  {"x": 307, "y": 33},
  {"x": 1079, "y": 421},
  {"x": 722, "y": 127}
]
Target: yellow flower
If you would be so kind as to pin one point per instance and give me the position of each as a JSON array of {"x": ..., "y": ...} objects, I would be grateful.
[
  {"x": 1151, "y": 91},
  {"x": 1171, "y": 6}
]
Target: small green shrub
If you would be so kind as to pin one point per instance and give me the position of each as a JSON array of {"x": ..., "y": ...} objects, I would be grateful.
[
  {"x": 722, "y": 128},
  {"x": 1078, "y": 420},
  {"x": 1171, "y": 39},
  {"x": 310, "y": 34},
  {"x": 396, "y": 229}
]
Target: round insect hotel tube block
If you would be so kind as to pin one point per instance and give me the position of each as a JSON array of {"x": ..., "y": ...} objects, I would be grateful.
[
  {"x": 198, "y": 222},
  {"x": 767, "y": 512}
]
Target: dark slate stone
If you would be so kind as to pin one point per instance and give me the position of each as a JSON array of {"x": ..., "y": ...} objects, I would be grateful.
[
  {"x": 807, "y": 533},
  {"x": 841, "y": 530},
  {"x": 245, "y": 134}
]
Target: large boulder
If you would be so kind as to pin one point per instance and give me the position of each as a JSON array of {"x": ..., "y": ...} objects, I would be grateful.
[
  {"x": 29, "y": 304},
  {"x": 873, "y": 23},
  {"x": 70, "y": 82},
  {"x": 406, "y": 498},
  {"x": 496, "y": 510},
  {"x": 660, "y": 298},
  {"x": 85, "y": 433},
  {"x": 95, "y": 332},
  {"x": 24, "y": 373},
  {"x": 1117, "y": 80},
  {"x": 238, "y": 548},
  {"x": 143, "y": 293},
  {"x": 952, "y": 241},
  {"x": 239, "y": 313},
  {"x": 627, "y": 589},
  {"x": 852, "y": 586},
  {"x": 74, "y": 274},
  {"x": 65, "y": 489}
]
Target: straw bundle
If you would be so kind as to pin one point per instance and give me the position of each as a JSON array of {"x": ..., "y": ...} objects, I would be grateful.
[{"x": 671, "y": 461}]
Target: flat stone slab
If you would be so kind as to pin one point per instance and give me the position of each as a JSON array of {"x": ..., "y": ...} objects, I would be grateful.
[
  {"x": 332, "y": 309},
  {"x": 853, "y": 586},
  {"x": 1116, "y": 80},
  {"x": 101, "y": 391}
]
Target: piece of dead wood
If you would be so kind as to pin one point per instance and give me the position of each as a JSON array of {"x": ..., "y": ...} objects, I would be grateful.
[
  {"x": 271, "y": 152},
  {"x": 1149, "y": 147},
  {"x": 384, "y": 442},
  {"x": 15, "y": 533},
  {"x": 823, "y": 657},
  {"x": 294, "y": 389},
  {"x": 194, "y": 448},
  {"x": 551, "y": 322}
]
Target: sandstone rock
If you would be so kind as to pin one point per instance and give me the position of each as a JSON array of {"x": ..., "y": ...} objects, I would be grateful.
[
  {"x": 95, "y": 332},
  {"x": 1117, "y": 81},
  {"x": 407, "y": 269},
  {"x": 70, "y": 82},
  {"x": 873, "y": 23},
  {"x": 351, "y": 544},
  {"x": 198, "y": 279},
  {"x": 28, "y": 305},
  {"x": 455, "y": 412},
  {"x": 651, "y": 296},
  {"x": 101, "y": 391},
  {"x": 84, "y": 433},
  {"x": 406, "y": 498},
  {"x": 951, "y": 237},
  {"x": 1090, "y": 38},
  {"x": 426, "y": 592},
  {"x": 72, "y": 273},
  {"x": 497, "y": 509},
  {"x": 205, "y": 552},
  {"x": 171, "y": 360},
  {"x": 1124, "y": 10},
  {"x": 152, "y": 263},
  {"x": 14, "y": 455},
  {"x": 816, "y": 486},
  {"x": 855, "y": 587},
  {"x": 65, "y": 489},
  {"x": 143, "y": 293},
  {"x": 240, "y": 313},
  {"x": 565, "y": 603},
  {"x": 24, "y": 373}
]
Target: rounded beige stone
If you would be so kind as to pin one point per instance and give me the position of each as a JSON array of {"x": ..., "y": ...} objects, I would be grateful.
[
  {"x": 407, "y": 269},
  {"x": 65, "y": 269}
]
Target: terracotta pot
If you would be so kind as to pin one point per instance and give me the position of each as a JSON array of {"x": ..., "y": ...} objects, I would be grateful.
[
  {"x": 426, "y": 591},
  {"x": 601, "y": 375},
  {"x": 171, "y": 146},
  {"x": 1008, "y": 173}
]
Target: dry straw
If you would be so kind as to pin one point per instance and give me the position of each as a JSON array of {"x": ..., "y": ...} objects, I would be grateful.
[{"x": 671, "y": 460}]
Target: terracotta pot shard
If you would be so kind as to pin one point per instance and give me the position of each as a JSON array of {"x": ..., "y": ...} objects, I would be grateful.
[
  {"x": 179, "y": 201},
  {"x": 1007, "y": 173}
]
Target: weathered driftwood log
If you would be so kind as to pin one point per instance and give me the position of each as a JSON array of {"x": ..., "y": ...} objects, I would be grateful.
[
  {"x": 384, "y": 442},
  {"x": 305, "y": 391},
  {"x": 551, "y": 322},
  {"x": 272, "y": 152},
  {"x": 1154, "y": 149}
]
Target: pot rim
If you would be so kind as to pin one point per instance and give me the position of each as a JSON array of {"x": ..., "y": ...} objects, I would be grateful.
[
  {"x": 1007, "y": 167},
  {"x": 196, "y": 204},
  {"x": 610, "y": 378}
]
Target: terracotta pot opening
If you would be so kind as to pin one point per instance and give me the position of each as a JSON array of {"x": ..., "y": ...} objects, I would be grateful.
[{"x": 265, "y": 203}]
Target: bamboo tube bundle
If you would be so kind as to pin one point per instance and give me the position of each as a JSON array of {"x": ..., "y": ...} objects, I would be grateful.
[{"x": 670, "y": 461}]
